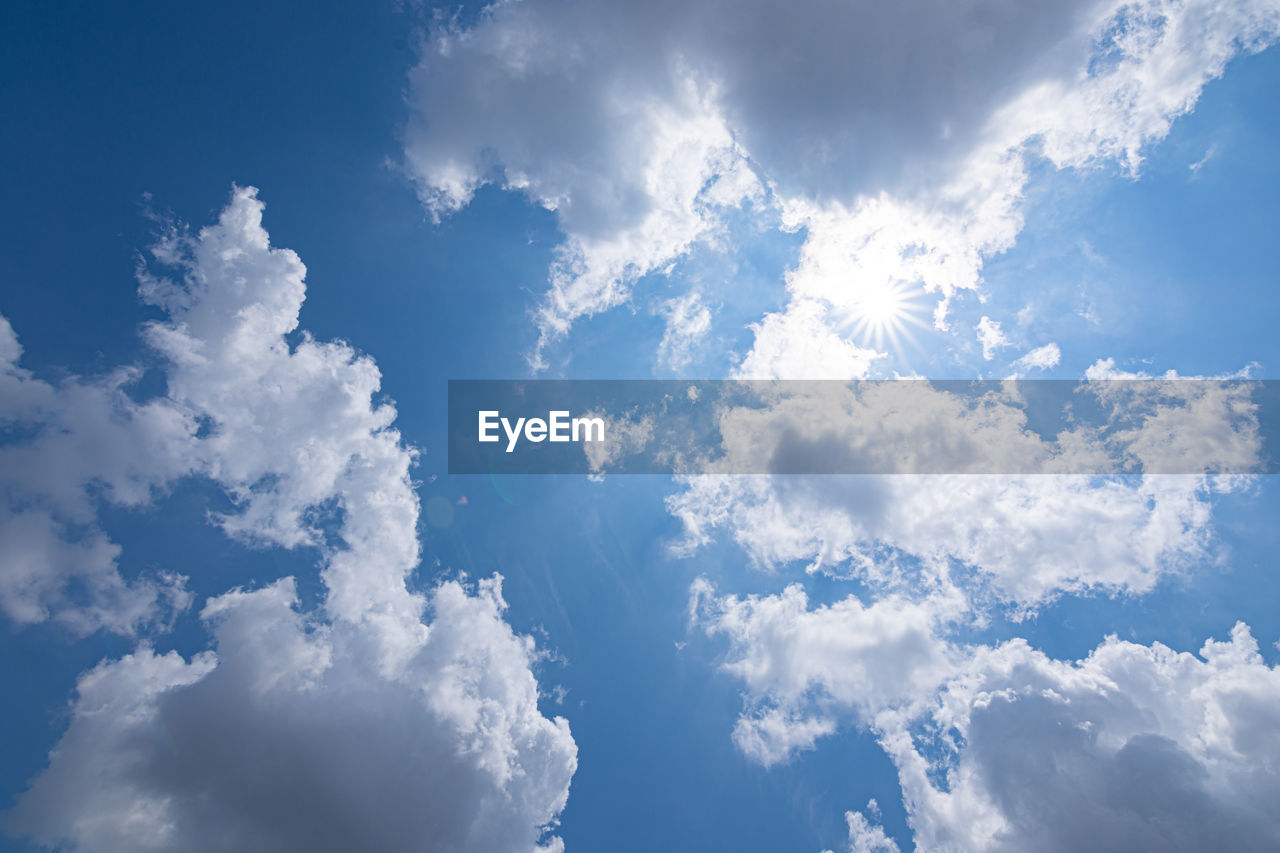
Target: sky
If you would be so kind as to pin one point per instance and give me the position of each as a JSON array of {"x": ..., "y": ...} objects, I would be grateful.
[{"x": 246, "y": 607}]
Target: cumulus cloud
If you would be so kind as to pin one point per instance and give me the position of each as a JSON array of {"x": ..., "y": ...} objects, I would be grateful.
[
  {"x": 1003, "y": 748},
  {"x": 1015, "y": 535},
  {"x": 921, "y": 521},
  {"x": 285, "y": 737},
  {"x": 637, "y": 165},
  {"x": 897, "y": 136},
  {"x": 1107, "y": 88},
  {"x": 937, "y": 556},
  {"x": 907, "y": 427},
  {"x": 825, "y": 97},
  {"x": 643, "y": 128},
  {"x": 803, "y": 668},
  {"x": 1135, "y": 747},
  {"x": 898, "y": 140},
  {"x": 387, "y": 718},
  {"x": 73, "y": 443}
]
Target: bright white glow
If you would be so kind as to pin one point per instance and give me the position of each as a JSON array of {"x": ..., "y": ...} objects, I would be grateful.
[{"x": 882, "y": 311}]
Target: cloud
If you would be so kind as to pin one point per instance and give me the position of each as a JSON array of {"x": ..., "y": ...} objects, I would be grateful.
[
  {"x": 804, "y": 668},
  {"x": 551, "y": 98},
  {"x": 1013, "y": 535},
  {"x": 1210, "y": 153},
  {"x": 890, "y": 427},
  {"x": 899, "y": 141},
  {"x": 638, "y": 168},
  {"x": 1114, "y": 86},
  {"x": 229, "y": 307},
  {"x": 70, "y": 445},
  {"x": 991, "y": 337},
  {"x": 801, "y": 345},
  {"x": 867, "y": 837},
  {"x": 1040, "y": 358},
  {"x": 898, "y": 137},
  {"x": 1134, "y": 747},
  {"x": 1016, "y": 537},
  {"x": 384, "y": 715},
  {"x": 936, "y": 558},
  {"x": 644, "y": 129},
  {"x": 688, "y": 322},
  {"x": 1003, "y": 748},
  {"x": 285, "y": 737}
]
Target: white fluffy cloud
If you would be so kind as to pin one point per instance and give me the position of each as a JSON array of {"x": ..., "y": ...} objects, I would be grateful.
[
  {"x": 1115, "y": 85},
  {"x": 386, "y": 718},
  {"x": 899, "y": 140},
  {"x": 1015, "y": 538},
  {"x": 1012, "y": 533},
  {"x": 937, "y": 556},
  {"x": 73, "y": 443},
  {"x": 1135, "y": 748},
  {"x": 1003, "y": 748},
  {"x": 801, "y": 344},
  {"x": 636, "y": 167},
  {"x": 286, "y": 737},
  {"x": 897, "y": 136},
  {"x": 641, "y": 127},
  {"x": 805, "y": 668}
]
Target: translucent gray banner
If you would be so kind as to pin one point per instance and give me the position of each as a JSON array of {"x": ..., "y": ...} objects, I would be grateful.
[{"x": 1098, "y": 427}]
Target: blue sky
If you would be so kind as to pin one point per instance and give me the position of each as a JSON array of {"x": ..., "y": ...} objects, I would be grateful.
[{"x": 567, "y": 191}]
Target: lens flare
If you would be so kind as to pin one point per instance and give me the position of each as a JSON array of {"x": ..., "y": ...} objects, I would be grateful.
[{"x": 883, "y": 312}]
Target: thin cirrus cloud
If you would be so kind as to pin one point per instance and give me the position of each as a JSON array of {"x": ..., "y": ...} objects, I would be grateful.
[
  {"x": 380, "y": 717},
  {"x": 898, "y": 137}
]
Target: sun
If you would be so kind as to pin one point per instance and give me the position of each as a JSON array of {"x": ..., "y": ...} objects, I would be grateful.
[{"x": 883, "y": 312}]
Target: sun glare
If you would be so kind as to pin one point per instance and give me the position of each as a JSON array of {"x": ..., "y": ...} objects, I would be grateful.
[{"x": 884, "y": 312}]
